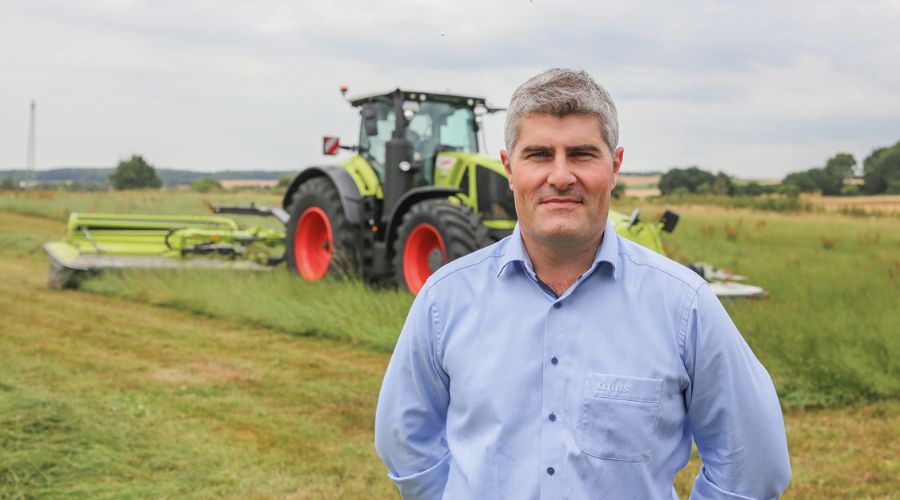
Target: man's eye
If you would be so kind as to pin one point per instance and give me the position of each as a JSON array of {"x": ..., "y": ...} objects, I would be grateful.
[{"x": 537, "y": 154}]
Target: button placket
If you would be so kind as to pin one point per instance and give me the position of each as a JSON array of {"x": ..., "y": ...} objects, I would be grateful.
[{"x": 557, "y": 328}]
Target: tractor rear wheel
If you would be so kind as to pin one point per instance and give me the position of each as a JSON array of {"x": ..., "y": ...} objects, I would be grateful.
[
  {"x": 320, "y": 241},
  {"x": 433, "y": 233}
]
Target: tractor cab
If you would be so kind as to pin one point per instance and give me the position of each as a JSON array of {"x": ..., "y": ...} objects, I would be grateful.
[
  {"x": 431, "y": 123},
  {"x": 416, "y": 140}
]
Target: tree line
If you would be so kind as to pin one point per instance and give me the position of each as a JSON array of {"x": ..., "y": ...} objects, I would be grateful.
[{"x": 880, "y": 175}]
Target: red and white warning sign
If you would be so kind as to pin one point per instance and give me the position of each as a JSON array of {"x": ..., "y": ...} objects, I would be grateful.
[{"x": 330, "y": 145}]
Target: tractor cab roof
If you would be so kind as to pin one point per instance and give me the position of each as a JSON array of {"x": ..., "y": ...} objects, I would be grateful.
[{"x": 415, "y": 95}]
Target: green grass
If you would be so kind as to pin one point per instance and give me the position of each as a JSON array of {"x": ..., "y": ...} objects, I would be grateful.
[
  {"x": 341, "y": 310},
  {"x": 826, "y": 333},
  {"x": 104, "y": 394},
  {"x": 828, "y": 330},
  {"x": 102, "y": 397}
]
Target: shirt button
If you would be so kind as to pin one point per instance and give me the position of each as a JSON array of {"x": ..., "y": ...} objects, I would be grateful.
[
  {"x": 551, "y": 471},
  {"x": 554, "y": 361},
  {"x": 552, "y": 417},
  {"x": 557, "y": 305}
]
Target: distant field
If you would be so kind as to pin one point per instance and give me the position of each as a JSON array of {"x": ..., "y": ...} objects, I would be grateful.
[
  {"x": 639, "y": 181},
  {"x": 209, "y": 385},
  {"x": 640, "y": 186},
  {"x": 857, "y": 205}
]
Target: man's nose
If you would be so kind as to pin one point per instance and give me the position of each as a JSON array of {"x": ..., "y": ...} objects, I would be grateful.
[{"x": 561, "y": 176}]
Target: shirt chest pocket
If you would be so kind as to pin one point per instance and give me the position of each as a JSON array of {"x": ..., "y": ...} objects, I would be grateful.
[{"x": 618, "y": 416}]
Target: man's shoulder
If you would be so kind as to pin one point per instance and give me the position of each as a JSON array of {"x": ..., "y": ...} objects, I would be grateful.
[
  {"x": 661, "y": 267},
  {"x": 478, "y": 264}
]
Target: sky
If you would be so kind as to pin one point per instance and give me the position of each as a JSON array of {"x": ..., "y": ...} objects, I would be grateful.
[{"x": 754, "y": 89}]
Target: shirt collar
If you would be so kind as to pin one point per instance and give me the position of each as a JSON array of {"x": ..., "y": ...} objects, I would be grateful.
[{"x": 607, "y": 252}]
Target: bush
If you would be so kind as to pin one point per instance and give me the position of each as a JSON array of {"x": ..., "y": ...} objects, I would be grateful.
[
  {"x": 206, "y": 185},
  {"x": 134, "y": 173},
  {"x": 882, "y": 171},
  {"x": 8, "y": 184}
]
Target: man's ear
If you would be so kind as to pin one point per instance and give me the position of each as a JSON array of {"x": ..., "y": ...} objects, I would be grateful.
[
  {"x": 618, "y": 155},
  {"x": 504, "y": 158}
]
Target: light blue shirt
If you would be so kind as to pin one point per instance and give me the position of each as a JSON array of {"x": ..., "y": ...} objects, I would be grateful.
[{"x": 499, "y": 389}]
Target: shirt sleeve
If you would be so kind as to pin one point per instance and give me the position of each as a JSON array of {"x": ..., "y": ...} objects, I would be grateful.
[
  {"x": 410, "y": 421},
  {"x": 733, "y": 410}
]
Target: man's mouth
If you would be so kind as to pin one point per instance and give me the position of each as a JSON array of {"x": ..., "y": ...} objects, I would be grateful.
[{"x": 560, "y": 201}]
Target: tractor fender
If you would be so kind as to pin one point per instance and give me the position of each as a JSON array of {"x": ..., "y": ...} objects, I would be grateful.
[
  {"x": 409, "y": 199},
  {"x": 351, "y": 200}
]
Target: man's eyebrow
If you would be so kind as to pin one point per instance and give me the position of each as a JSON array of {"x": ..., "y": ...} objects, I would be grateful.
[
  {"x": 584, "y": 148},
  {"x": 535, "y": 149}
]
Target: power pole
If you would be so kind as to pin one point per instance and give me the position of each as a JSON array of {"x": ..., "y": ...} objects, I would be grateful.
[{"x": 30, "y": 175}]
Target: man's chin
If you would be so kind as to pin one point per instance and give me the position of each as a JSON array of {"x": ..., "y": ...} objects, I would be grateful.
[{"x": 564, "y": 234}]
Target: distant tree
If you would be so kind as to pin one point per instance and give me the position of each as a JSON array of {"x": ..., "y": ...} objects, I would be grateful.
[
  {"x": 881, "y": 171},
  {"x": 689, "y": 178},
  {"x": 618, "y": 192},
  {"x": 806, "y": 181},
  {"x": 828, "y": 180},
  {"x": 722, "y": 185},
  {"x": 788, "y": 189},
  {"x": 284, "y": 181},
  {"x": 752, "y": 189},
  {"x": 849, "y": 190},
  {"x": 8, "y": 184},
  {"x": 841, "y": 165},
  {"x": 206, "y": 185},
  {"x": 893, "y": 187},
  {"x": 134, "y": 173},
  {"x": 837, "y": 169}
]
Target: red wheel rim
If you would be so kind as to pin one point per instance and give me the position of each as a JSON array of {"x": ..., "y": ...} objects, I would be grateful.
[
  {"x": 423, "y": 248},
  {"x": 313, "y": 244}
]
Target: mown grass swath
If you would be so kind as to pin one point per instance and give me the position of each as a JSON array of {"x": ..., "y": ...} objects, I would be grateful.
[{"x": 341, "y": 310}]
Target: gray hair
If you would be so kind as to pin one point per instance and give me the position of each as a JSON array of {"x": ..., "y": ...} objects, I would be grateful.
[{"x": 561, "y": 92}]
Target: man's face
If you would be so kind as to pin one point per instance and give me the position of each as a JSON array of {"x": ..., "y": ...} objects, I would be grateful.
[{"x": 561, "y": 173}]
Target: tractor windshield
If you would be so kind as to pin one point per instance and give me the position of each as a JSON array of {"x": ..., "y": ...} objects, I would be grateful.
[
  {"x": 433, "y": 127},
  {"x": 439, "y": 126}
]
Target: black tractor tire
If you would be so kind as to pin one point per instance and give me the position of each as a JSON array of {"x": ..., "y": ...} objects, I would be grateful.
[
  {"x": 433, "y": 233},
  {"x": 315, "y": 213}
]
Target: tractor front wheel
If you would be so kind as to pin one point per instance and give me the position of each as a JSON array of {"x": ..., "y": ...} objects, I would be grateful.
[
  {"x": 433, "y": 233},
  {"x": 319, "y": 241}
]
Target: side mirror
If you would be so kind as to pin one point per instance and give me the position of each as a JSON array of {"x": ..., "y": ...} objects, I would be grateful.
[
  {"x": 669, "y": 220},
  {"x": 331, "y": 145},
  {"x": 370, "y": 120}
]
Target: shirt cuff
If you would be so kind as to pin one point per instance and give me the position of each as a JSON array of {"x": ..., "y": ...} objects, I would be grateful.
[
  {"x": 428, "y": 484},
  {"x": 704, "y": 489}
]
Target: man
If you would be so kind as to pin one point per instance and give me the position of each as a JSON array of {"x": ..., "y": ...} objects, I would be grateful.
[{"x": 565, "y": 361}]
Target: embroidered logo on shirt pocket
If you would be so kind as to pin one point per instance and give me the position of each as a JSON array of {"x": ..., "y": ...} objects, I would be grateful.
[{"x": 618, "y": 416}]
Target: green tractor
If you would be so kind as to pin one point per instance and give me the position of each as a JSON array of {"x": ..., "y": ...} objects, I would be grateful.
[{"x": 416, "y": 195}]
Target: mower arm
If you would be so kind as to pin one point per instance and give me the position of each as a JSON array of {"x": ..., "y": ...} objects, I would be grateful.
[{"x": 278, "y": 213}]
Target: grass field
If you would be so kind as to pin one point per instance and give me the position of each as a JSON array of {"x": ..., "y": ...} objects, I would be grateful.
[{"x": 208, "y": 385}]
